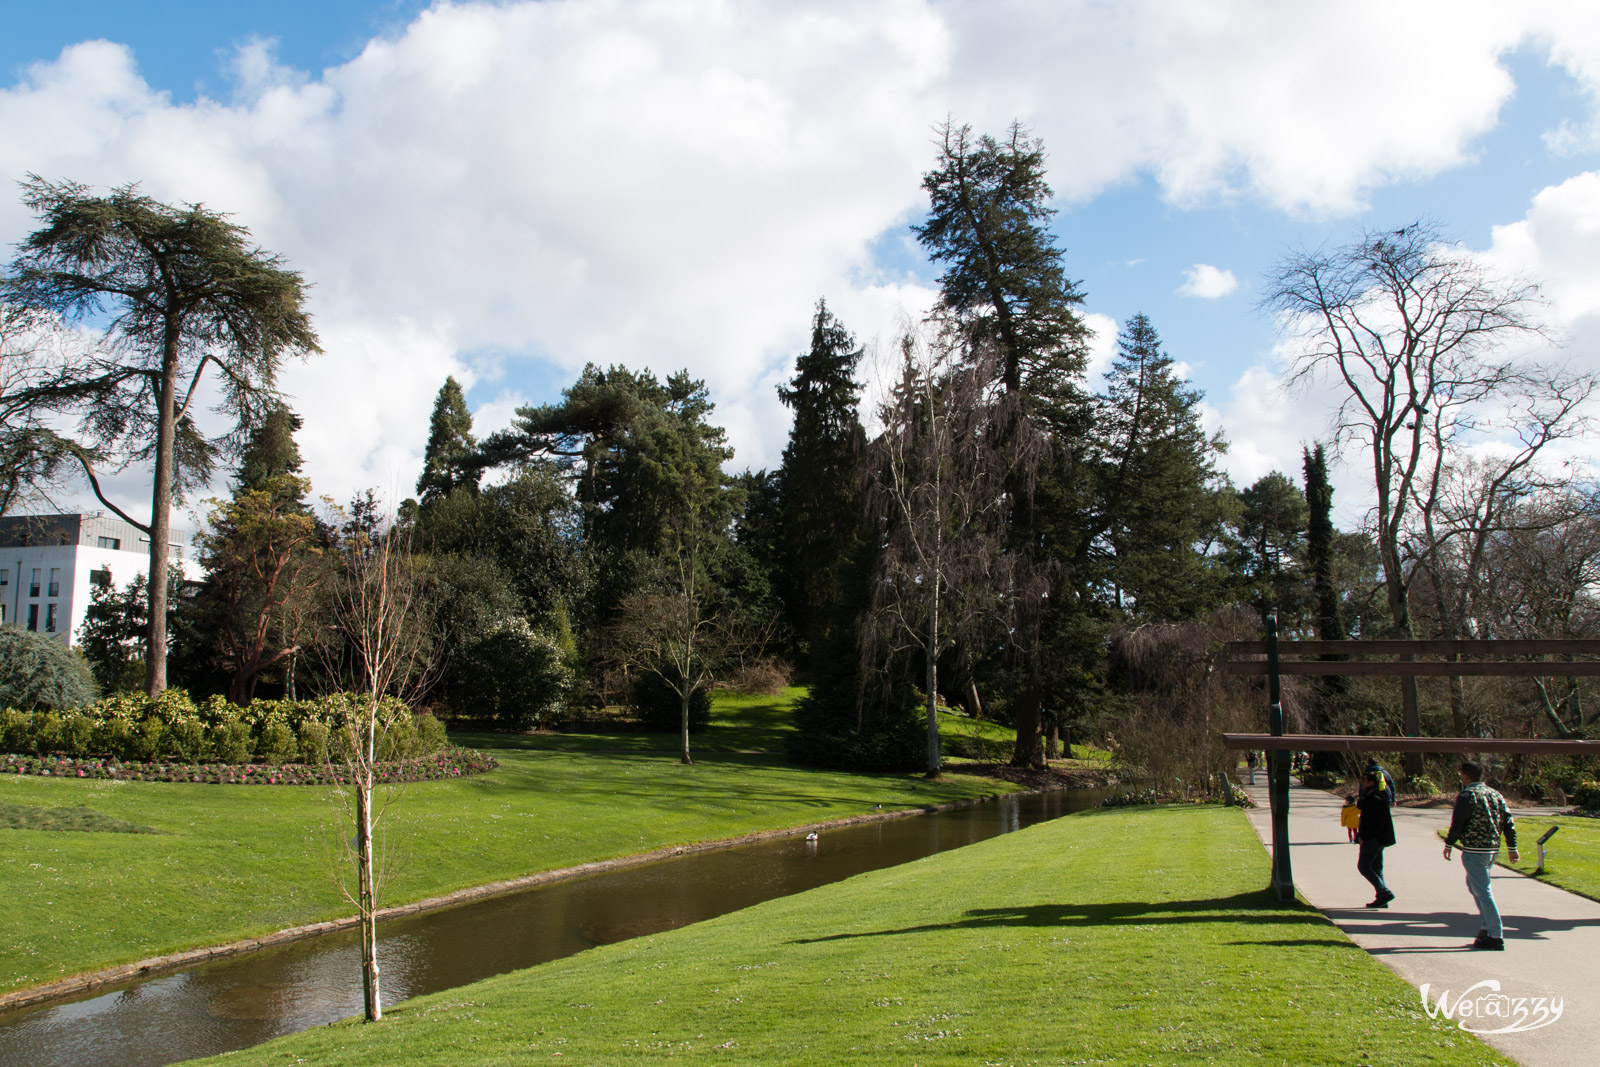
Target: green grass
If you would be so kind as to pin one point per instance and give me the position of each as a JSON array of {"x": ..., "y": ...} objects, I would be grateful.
[
  {"x": 25, "y": 817},
  {"x": 231, "y": 862},
  {"x": 1115, "y": 937},
  {"x": 1574, "y": 853}
]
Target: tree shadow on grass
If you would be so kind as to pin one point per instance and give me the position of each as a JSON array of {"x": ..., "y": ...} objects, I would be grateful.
[{"x": 1261, "y": 906}]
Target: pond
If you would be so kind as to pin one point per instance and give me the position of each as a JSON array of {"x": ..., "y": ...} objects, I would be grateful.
[{"x": 235, "y": 1003}]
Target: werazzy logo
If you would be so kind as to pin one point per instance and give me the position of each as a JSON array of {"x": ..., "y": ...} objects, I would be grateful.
[{"x": 1483, "y": 1009}]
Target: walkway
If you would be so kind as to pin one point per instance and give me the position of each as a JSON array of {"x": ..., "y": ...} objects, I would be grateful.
[{"x": 1552, "y": 936}]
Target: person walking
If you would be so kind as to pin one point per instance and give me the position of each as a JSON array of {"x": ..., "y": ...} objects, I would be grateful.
[
  {"x": 1375, "y": 833},
  {"x": 1385, "y": 779},
  {"x": 1479, "y": 821}
]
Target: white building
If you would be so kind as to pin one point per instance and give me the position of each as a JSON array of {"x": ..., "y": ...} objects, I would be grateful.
[{"x": 49, "y": 564}]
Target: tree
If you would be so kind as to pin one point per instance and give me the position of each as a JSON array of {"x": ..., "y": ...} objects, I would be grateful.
[
  {"x": 818, "y": 496},
  {"x": 181, "y": 290},
  {"x": 382, "y": 616},
  {"x": 1415, "y": 332},
  {"x": 261, "y": 551},
  {"x": 1155, "y": 466},
  {"x": 1006, "y": 295},
  {"x": 39, "y": 672},
  {"x": 112, "y": 632},
  {"x": 271, "y": 452},
  {"x": 1319, "y": 545},
  {"x": 1270, "y": 530},
  {"x": 1004, "y": 284},
  {"x": 937, "y": 502},
  {"x": 447, "y": 462},
  {"x": 33, "y": 457}
]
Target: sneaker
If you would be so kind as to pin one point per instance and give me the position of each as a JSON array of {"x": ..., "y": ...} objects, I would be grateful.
[
  {"x": 1491, "y": 944},
  {"x": 1381, "y": 902}
]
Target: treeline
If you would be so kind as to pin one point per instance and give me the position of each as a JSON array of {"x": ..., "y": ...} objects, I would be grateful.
[{"x": 998, "y": 534}]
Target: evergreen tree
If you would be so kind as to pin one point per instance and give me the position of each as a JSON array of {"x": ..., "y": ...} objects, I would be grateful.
[
  {"x": 1156, "y": 468},
  {"x": 1320, "y": 545},
  {"x": 1270, "y": 549},
  {"x": 447, "y": 461},
  {"x": 819, "y": 501},
  {"x": 177, "y": 289},
  {"x": 1005, "y": 290},
  {"x": 271, "y": 451},
  {"x": 1004, "y": 283},
  {"x": 109, "y": 637}
]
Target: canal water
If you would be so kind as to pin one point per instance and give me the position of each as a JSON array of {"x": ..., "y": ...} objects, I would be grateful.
[{"x": 235, "y": 1003}]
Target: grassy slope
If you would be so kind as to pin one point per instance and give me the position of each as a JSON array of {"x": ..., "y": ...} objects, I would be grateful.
[
  {"x": 238, "y": 861},
  {"x": 1117, "y": 937},
  {"x": 1574, "y": 853}
]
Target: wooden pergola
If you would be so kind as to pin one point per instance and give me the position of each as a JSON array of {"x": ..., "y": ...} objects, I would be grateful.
[{"x": 1485, "y": 660}]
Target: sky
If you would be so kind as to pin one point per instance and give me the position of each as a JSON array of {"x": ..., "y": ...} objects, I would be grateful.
[{"x": 507, "y": 191}]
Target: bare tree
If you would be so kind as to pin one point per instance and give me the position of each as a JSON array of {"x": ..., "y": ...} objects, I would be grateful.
[
  {"x": 388, "y": 643},
  {"x": 1415, "y": 331},
  {"x": 940, "y": 471}
]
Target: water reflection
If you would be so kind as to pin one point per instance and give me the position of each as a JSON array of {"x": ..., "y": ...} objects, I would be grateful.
[{"x": 233, "y": 1004}]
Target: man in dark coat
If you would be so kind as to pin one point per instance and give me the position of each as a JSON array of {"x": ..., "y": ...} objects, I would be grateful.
[{"x": 1375, "y": 834}]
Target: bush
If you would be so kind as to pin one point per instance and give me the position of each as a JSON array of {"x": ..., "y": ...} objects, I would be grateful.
[
  {"x": 767, "y": 677},
  {"x": 1417, "y": 784},
  {"x": 1587, "y": 795},
  {"x": 1321, "y": 780},
  {"x": 38, "y": 672},
  {"x": 514, "y": 677},
  {"x": 314, "y": 742},
  {"x": 660, "y": 708}
]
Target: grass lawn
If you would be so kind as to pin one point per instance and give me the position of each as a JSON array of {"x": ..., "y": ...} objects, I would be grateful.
[
  {"x": 1136, "y": 936},
  {"x": 1574, "y": 853},
  {"x": 229, "y": 862}
]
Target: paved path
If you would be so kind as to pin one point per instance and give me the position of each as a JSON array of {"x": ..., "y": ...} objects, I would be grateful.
[{"x": 1552, "y": 936}]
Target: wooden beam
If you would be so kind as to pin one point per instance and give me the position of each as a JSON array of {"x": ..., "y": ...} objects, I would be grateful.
[
  {"x": 1496, "y": 647},
  {"x": 1422, "y": 668},
  {"x": 1353, "y": 743}
]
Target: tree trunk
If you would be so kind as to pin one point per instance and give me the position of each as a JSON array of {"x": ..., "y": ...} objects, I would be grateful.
[
  {"x": 1052, "y": 743},
  {"x": 155, "y": 665},
  {"x": 687, "y": 695},
  {"x": 1029, "y": 750},
  {"x": 366, "y": 894},
  {"x": 933, "y": 709}
]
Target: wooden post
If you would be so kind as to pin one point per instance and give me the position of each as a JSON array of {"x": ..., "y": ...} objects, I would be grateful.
[{"x": 1278, "y": 776}]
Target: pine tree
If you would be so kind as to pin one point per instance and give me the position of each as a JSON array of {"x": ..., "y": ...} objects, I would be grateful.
[
  {"x": 1004, "y": 284},
  {"x": 1004, "y": 289},
  {"x": 1156, "y": 462},
  {"x": 819, "y": 505},
  {"x": 446, "y": 462}
]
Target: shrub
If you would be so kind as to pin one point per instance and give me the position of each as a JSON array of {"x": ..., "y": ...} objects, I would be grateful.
[
  {"x": 1417, "y": 783},
  {"x": 277, "y": 742},
  {"x": 1587, "y": 795},
  {"x": 513, "y": 677},
  {"x": 767, "y": 677},
  {"x": 39, "y": 672},
  {"x": 313, "y": 742},
  {"x": 1321, "y": 780},
  {"x": 660, "y": 708}
]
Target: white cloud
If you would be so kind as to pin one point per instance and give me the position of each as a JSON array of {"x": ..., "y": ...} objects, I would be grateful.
[
  {"x": 674, "y": 184},
  {"x": 1205, "y": 282}
]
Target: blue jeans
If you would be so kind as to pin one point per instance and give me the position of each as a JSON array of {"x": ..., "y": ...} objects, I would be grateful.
[{"x": 1478, "y": 865}]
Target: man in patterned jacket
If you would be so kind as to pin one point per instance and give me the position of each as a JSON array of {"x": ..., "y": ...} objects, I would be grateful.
[{"x": 1478, "y": 822}]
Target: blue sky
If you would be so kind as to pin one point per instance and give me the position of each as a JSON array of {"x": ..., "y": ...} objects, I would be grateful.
[{"x": 506, "y": 191}]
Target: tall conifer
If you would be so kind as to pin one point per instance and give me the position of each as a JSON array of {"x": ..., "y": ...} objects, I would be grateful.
[{"x": 446, "y": 464}]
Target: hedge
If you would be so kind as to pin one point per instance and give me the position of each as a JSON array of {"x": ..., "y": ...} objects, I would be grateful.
[
  {"x": 173, "y": 728},
  {"x": 452, "y": 762}
]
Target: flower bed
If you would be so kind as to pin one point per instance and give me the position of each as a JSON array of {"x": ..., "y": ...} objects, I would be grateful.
[{"x": 449, "y": 763}]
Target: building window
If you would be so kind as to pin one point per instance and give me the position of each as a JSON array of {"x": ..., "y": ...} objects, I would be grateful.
[
  {"x": 113, "y": 543},
  {"x": 55, "y": 581},
  {"x": 33, "y": 585},
  {"x": 100, "y": 579},
  {"x": 33, "y": 616},
  {"x": 50, "y": 618},
  {"x": 5, "y": 576}
]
